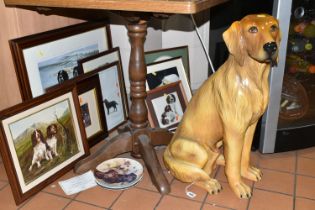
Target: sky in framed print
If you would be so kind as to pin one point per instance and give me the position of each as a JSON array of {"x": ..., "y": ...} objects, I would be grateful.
[
  {"x": 28, "y": 140},
  {"x": 112, "y": 96},
  {"x": 49, "y": 69}
]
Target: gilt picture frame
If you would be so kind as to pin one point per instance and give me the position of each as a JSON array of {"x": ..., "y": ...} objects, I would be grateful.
[
  {"x": 41, "y": 140},
  {"x": 46, "y": 59},
  {"x": 92, "y": 109}
]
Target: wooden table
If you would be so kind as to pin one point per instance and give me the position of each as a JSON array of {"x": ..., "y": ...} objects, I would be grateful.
[{"x": 137, "y": 137}]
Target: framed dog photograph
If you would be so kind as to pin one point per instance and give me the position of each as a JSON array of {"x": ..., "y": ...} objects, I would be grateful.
[
  {"x": 167, "y": 72},
  {"x": 166, "y": 105},
  {"x": 92, "y": 109},
  {"x": 50, "y": 58},
  {"x": 41, "y": 139},
  {"x": 93, "y": 62},
  {"x": 114, "y": 96},
  {"x": 168, "y": 53}
]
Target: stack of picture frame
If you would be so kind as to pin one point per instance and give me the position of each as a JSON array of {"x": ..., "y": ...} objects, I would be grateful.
[
  {"x": 73, "y": 91},
  {"x": 168, "y": 86}
]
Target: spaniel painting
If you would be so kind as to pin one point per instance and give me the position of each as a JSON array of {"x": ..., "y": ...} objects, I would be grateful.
[
  {"x": 51, "y": 138},
  {"x": 41, "y": 149}
]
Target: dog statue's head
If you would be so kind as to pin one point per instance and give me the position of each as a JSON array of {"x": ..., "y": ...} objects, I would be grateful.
[{"x": 257, "y": 36}]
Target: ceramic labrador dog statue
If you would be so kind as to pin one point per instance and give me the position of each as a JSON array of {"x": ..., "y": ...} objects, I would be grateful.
[{"x": 225, "y": 110}]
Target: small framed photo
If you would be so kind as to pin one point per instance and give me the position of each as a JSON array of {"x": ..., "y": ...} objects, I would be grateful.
[
  {"x": 92, "y": 109},
  {"x": 168, "y": 53},
  {"x": 41, "y": 139},
  {"x": 114, "y": 96},
  {"x": 93, "y": 62},
  {"x": 49, "y": 58},
  {"x": 166, "y": 72},
  {"x": 166, "y": 105}
]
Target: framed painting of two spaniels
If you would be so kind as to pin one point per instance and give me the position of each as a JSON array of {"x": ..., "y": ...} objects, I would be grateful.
[{"x": 41, "y": 139}]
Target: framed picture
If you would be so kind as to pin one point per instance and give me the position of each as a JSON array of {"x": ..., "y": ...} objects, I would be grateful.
[
  {"x": 47, "y": 59},
  {"x": 164, "y": 54},
  {"x": 166, "y": 105},
  {"x": 93, "y": 62},
  {"x": 114, "y": 96},
  {"x": 166, "y": 72},
  {"x": 92, "y": 109},
  {"x": 41, "y": 140}
]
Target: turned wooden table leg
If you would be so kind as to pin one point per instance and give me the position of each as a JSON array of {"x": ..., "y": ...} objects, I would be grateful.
[
  {"x": 142, "y": 146},
  {"x": 152, "y": 163}
]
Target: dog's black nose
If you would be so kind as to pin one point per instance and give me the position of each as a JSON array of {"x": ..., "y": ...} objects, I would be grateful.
[{"x": 270, "y": 47}]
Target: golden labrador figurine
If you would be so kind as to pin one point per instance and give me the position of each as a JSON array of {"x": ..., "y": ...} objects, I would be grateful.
[{"x": 225, "y": 110}]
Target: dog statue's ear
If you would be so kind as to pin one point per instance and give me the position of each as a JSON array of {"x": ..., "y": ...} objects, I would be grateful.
[{"x": 234, "y": 41}]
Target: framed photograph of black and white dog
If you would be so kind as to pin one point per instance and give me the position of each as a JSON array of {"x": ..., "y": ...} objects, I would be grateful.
[
  {"x": 93, "y": 62},
  {"x": 41, "y": 139},
  {"x": 166, "y": 72},
  {"x": 92, "y": 109},
  {"x": 50, "y": 58},
  {"x": 168, "y": 53},
  {"x": 166, "y": 105},
  {"x": 114, "y": 96}
]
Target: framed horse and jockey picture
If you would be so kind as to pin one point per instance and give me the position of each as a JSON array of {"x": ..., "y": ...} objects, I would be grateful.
[
  {"x": 47, "y": 59},
  {"x": 41, "y": 139}
]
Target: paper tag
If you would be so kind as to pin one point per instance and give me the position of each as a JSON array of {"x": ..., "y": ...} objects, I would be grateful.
[{"x": 78, "y": 183}]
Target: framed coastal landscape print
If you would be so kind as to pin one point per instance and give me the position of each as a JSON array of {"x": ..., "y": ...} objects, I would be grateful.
[
  {"x": 41, "y": 139},
  {"x": 92, "y": 109},
  {"x": 166, "y": 105},
  {"x": 168, "y": 53},
  {"x": 50, "y": 58},
  {"x": 114, "y": 96},
  {"x": 166, "y": 72}
]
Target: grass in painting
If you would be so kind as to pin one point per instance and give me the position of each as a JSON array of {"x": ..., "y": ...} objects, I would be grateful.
[{"x": 66, "y": 147}]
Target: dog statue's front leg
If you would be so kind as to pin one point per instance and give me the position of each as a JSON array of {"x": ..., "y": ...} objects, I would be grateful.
[
  {"x": 233, "y": 144},
  {"x": 248, "y": 171}
]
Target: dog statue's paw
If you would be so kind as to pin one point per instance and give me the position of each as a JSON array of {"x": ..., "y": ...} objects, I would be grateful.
[
  {"x": 211, "y": 185},
  {"x": 241, "y": 190},
  {"x": 252, "y": 173}
]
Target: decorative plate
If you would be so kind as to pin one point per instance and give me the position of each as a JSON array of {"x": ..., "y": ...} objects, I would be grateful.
[{"x": 118, "y": 173}]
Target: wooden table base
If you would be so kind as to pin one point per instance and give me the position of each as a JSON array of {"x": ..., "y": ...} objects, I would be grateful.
[{"x": 137, "y": 138}]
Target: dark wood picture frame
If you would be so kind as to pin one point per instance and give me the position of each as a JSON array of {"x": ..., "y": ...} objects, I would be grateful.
[
  {"x": 93, "y": 62},
  {"x": 85, "y": 86},
  {"x": 23, "y": 182},
  {"x": 33, "y": 47},
  {"x": 159, "y": 107},
  {"x": 109, "y": 90}
]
